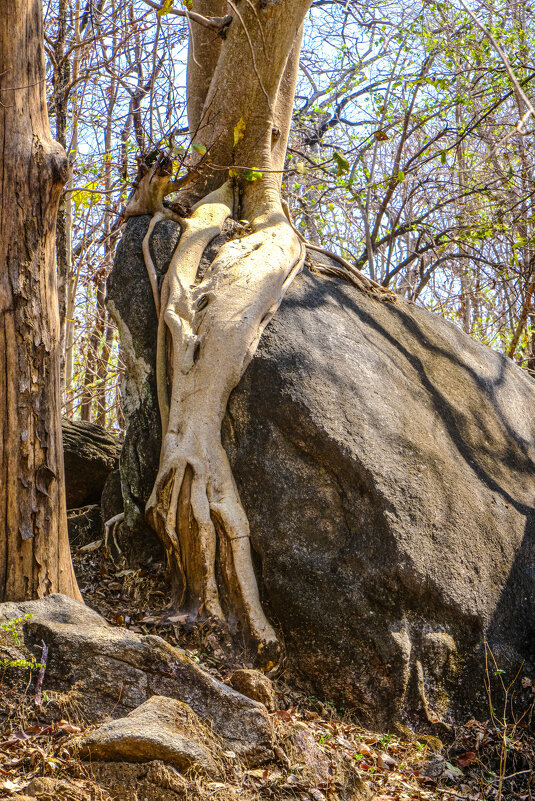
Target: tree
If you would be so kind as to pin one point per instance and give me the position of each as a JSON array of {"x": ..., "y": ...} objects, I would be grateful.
[
  {"x": 242, "y": 73},
  {"x": 34, "y": 547}
]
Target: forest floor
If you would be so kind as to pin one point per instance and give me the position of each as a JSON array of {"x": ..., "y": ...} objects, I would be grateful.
[{"x": 337, "y": 760}]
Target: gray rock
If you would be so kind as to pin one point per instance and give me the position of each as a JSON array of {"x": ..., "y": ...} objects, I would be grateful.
[
  {"x": 90, "y": 455},
  {"x": 129, "y": 300},
  {"x": 161, "y": 728},
  {"x": 111, "y": 500},
  {"x": 109, "y": 671},
  {"x": 386, "y": 463}
]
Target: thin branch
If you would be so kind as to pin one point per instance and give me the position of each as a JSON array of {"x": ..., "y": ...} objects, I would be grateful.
[{"x": 214, "y": 23}]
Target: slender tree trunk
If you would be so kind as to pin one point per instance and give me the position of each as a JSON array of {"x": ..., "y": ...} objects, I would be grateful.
[
  {"x": 34, "y": 547},
  {"x": 61, "y": 80},
  {"x": 92, "y": 354}
]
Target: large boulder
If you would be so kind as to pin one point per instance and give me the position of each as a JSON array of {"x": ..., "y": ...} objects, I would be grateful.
[
  {"x": 386, "y": 463},
  {"x": 90, "y": 454}
]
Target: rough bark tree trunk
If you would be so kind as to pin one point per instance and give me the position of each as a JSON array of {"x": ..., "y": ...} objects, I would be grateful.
[{"x": 34, "y": 548}]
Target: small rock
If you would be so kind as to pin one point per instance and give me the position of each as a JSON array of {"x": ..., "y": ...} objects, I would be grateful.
[
  {"x": 434, "y": 768},
  {"x": 160, "y": 729},
  {"x": 315, "y": 765},
  {"x": 254, "y": 685}
]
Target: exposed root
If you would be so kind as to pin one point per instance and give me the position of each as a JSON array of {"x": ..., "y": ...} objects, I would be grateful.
[
  {"x": 110, "y": 527},
  {"x": 214, "y": 329},
  {"x": 165, "y": 214},
  {"x": 348, "y": 271}
]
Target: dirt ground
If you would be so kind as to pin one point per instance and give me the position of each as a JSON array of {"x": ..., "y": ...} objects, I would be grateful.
[{"x": 321, "y": 753}]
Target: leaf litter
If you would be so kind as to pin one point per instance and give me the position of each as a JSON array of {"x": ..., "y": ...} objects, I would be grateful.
[{"x": 319, "y": 754}]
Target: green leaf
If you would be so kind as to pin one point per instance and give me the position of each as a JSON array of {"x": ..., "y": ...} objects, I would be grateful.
[
  {"x": 198, "y": 148},
  {"x": 401, "y": 176},
  {"x": 443, "y": 157},
  {"x": 239, "y": 130},
  {"x": 252, "y": 175},
  {"x": 84, "y": 199},
  {"x": 341, "y": 162},
  {"x": 167, "y": 5}
]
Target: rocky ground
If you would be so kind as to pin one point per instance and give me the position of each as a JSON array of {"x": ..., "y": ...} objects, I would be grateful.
[{"x": 54, "y": 746}]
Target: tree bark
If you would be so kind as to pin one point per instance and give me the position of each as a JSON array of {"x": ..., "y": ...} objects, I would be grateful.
[{"x": 34, "y": 548}]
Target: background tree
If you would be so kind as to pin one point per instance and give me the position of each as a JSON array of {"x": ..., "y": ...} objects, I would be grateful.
[{"x": 34, "y": 547}]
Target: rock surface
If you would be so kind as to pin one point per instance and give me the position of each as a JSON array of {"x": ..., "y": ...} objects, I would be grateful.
[
  {"x": 161, "y": 728},
  {"x": 386, "y": 463},
  {"x": 254, "y": 685},
  {"x": 90, "y": 455},
  {"x": 130, "y": 299},
  {"x": 108, "y": 672}
]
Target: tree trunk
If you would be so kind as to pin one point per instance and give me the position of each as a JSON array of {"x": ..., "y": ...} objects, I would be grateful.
[
  {"x": 61, "y": 80},
  {"x": 240, "y": 99},
  {"x": 34, "y": 547}
]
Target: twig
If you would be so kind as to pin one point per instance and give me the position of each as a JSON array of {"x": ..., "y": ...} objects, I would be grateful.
[
  {"x": 214, "y": 23},
  {"x": 41, "y": 676}
]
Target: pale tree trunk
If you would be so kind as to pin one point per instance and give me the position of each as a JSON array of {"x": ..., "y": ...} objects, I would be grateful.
[
  {"x": 72, "y": 277},
  {"x": 109, "y": 243},
  {"x": 241, "y": 91},
  {"x": 61, "y": 80},
  {"x": 34, "y": 547}
]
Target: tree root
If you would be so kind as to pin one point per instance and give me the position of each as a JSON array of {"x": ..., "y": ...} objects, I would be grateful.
[
  {"x": 165, "y": 214},
  {"x": 214, "y": 327},
  {"x": 347, "y": 271},
  {"x": 110, "y": 527}
]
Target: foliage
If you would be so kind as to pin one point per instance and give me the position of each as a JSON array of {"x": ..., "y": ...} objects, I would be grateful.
[
  {"x": 406, "y": 157},
  {"x": 11, "y": 628}
]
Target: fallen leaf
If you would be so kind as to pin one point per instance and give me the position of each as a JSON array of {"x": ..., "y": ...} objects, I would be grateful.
[
  {"x": 283, "y": 714},
  {"x": 385, "y": 762},
  {"x": 13, "y": 787},
  {"x": 68, "y": 727},
  {"x": 16, "y": 738},
  {"x": 466, "y": 759},
  {"x": 176, "y": 618},
  {"x": 257, "y": 773}
]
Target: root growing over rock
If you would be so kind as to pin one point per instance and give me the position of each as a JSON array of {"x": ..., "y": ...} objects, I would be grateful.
[{"x": 208, "y": 331}]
